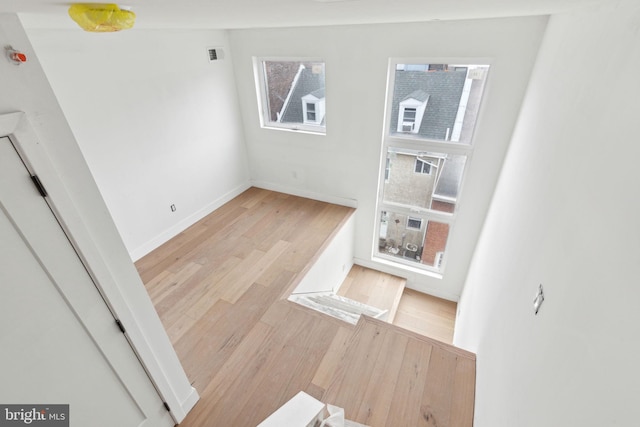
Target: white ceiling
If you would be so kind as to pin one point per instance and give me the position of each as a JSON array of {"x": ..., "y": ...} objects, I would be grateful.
[{"x": 225, "y": 14}]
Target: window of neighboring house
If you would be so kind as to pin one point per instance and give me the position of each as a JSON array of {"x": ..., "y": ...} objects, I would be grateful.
[
  {"x": 422, "y": 166},
  {"x": 311, "y": 112},
  {"x": 414, "y": 223},
  {"x": 411, "y": 112},
  {"x": 291, "y": 94},
  {"x": 409, "y": 116},
  {"x": 427, "y": 146},
  {"x": 387, "y": 170}
]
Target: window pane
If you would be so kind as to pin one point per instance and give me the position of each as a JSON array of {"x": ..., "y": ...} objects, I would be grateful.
[
  {"x": 423, "y": 180},
  {"x": 444, "y": 99},
  {"x": 409, "y": 115},
  {"x": 292, "y": 86},
  {"x": 413, "y": 239}
]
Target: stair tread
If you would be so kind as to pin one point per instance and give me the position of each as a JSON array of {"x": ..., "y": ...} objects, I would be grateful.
[{"x": 340, "y": 307}]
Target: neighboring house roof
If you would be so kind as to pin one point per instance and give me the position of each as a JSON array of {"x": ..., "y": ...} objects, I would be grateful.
[
  {"x": 280, "y": 77},
  {"x": 443, "y": 89},
  {"x": 449, "y": 180},
  {"x": 418, "y": 95},
  {"x": 319, "y": 93},
  {"x": 307, "y": 83}
]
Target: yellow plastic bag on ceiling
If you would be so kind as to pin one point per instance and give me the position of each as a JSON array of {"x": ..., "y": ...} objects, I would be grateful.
[{"x": 100, "y": 18}]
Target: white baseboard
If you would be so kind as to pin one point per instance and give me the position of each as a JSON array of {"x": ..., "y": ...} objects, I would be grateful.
[
  {"x": 177, "y": 228},
  {"x": 187, "y": 405},
  {"x": 342, "y": 201}
]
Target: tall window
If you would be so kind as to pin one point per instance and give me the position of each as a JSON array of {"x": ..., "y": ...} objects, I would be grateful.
[
  {"x": 292, "y": 94},
  {"x": 428, "y": 141}
]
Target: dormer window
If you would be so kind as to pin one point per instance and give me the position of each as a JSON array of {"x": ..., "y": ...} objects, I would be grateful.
[
  {"x": 311, "y": 112},
  {"x": 313, "y": 107},
  {"x": 411, "y": 110},
  {"x": 408, "y": 119}
]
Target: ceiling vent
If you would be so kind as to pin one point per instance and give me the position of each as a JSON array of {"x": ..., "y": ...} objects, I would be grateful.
[{"x": 215, "y": 54}]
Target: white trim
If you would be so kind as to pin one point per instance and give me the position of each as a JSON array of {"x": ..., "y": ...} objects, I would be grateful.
[
  {"x": 147, "y": 339},
  {"x": 336, "y": 200},
  {"x": 179, "y": 227},
  {"x": 9, "y": 122}
]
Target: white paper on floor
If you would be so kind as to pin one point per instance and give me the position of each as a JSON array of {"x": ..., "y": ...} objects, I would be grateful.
[{"x": 336, "y": 418}]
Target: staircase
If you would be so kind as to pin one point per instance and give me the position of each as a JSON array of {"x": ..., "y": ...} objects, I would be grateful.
[
  {"x": 340, "y": 307},
  {"x": 364, "y": 291}
]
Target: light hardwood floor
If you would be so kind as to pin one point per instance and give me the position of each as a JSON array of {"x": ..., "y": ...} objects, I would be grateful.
[
  {"x": 220, "y": 288},
  {"x": 426, "y": 315},
  {"x": 380, "y": 290}
]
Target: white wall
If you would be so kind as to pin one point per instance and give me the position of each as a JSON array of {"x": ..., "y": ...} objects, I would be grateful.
[
  {"x": 25, "y": 88},
  {"x": 344, "y": 164},
  {"x": 332, "y": 266},
  {"x": 157, "y": 123},
  {"x": 565, "y": 214}
]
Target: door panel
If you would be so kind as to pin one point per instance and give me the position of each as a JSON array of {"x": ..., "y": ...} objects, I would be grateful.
[{"x": 59, "y": 341}]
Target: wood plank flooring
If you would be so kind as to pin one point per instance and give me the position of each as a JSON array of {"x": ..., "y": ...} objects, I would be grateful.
[
  {"x": 219, "y": 288},
  {"x": 426, "y": 315},
  {"x": 377, "y": 289}
]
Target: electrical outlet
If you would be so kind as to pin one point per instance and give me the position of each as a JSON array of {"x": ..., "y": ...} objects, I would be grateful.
[{"x": 173, "y": 208}]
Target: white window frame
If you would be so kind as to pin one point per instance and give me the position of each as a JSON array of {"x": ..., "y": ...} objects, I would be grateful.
[
  {"x": 410, "y": 142},
  {"x": 263, "y": 99},
  {"x": 422, "y": 162}
]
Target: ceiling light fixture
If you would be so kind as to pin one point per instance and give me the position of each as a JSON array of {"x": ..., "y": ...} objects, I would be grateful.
[{"x": 101, "y": 17}]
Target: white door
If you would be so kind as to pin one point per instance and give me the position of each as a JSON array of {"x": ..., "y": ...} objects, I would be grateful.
[{"x": 59, "y": 343}]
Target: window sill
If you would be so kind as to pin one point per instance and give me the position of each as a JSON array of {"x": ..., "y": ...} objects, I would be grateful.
[
  {"x": 304, "y": 129},
  {"x": 402, "y": 267}
]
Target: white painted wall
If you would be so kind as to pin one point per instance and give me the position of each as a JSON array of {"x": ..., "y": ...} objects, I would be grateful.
[
  {"x": 565, "y": 214},
  {"x": 157, "y": 123},
  {"x": 344, "y": 164},
  {"x": 25, "y": 88},
  {"x": 332, "y": 266}
]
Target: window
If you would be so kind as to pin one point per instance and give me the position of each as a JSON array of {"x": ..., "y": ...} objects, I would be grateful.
[
  {"x": 422, "y": 166},
  {"x": 432, "y": 110},
  {"x": 387, "y": 170},
  {"x": 414, "y": 223},
  {"x": 311, "y": 112},
  {"x": 291, "y": 94}
]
